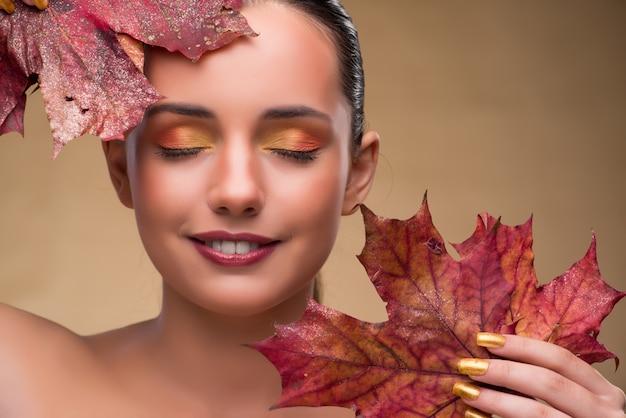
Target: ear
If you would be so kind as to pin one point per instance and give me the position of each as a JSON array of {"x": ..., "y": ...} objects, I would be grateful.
[
  {"x": 115, "y": 154},
  {"x": 361, "y": 175}
]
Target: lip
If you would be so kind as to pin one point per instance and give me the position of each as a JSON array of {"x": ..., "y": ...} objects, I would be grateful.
[
  {"x": 266, "y": 247},
  {"x": 229, "y": 236}
]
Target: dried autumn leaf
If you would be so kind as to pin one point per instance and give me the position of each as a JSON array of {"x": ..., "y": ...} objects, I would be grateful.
[
  {"x": 406, "y": 367},
  {"x": 89, "y": 84}
]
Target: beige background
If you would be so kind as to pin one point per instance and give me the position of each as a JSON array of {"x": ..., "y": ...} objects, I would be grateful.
[{"x": 515, "y": 108}]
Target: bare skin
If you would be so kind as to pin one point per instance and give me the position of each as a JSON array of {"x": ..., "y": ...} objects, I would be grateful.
[
  {"x": 190, "y": 361},
  {"x": 48, "y": 371}
]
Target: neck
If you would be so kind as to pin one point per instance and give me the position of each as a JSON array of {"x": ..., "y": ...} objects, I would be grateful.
[
  {"x": 181, "y": 319},
  {"x": 198, "y": 357},
  {"x": 206, "y": 351}
]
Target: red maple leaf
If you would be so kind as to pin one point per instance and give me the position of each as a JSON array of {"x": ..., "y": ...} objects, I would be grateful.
[
  {"x": 406, "y": 366},
  {"x": 89, "y": 84}
]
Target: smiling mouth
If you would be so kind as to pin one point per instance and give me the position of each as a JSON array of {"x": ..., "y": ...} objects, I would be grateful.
[
  {"x": 232, "y": 247},
  {"x": 231, "y": 250}
]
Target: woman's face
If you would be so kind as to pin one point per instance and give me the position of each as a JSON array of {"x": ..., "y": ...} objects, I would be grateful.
[{"x": 238, "y": 178}]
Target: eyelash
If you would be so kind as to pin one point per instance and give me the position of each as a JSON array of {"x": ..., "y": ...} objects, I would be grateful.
[
  {"x": 173, "y": 153},
  {"x": 300, "y": 156}
]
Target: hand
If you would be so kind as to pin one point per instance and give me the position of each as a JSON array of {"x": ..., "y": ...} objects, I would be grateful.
[
  {"x": 8, "y": 5},
  {"x": 535, "y": 370}
]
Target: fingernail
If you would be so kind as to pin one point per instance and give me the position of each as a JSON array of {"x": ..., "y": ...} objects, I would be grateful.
[
  {"x": 490, "y": 340},
  {"x": 473, "y": 366},
  {"x": 475, "y": 413},
  {"x": 41, "y": 4},
  {"x": 7, "y": 6},
  {"x": 466, "y": 391}
]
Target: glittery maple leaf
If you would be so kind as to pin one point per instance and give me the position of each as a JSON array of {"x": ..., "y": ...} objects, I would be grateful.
[
  {"x": 406, "y": 367},
  {"x": 89, "y": 84}
]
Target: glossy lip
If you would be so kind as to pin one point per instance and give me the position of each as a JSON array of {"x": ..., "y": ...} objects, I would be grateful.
[{"x": 266, "y": 247}]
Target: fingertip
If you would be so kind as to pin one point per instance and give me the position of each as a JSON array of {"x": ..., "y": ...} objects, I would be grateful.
[
  {"x": 466, "y": 391},
  {"x": 41, "y": 4},
  {"x": 7, "y": 6},
  {"x": 472, "y": 366},
  {"x": 475, "y": 413},
  {"x": 490, "y": 340}
]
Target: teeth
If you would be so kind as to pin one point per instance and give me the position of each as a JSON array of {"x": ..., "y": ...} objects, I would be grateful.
[
  {"x": 229, "y": 247},
  {"x": 242, "y": 247},
  {"x": 233, "y": 247}
]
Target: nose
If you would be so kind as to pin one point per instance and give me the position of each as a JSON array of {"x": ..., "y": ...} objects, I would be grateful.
[{"x": 236, "y": 187}]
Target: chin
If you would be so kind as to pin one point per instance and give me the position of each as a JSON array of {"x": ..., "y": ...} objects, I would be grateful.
[{"x": 252, "y": 304}]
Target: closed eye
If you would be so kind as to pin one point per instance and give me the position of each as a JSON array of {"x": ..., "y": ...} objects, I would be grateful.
[
  {"x": 300, "y": 156},
  {"x": 174, "y": 153}
]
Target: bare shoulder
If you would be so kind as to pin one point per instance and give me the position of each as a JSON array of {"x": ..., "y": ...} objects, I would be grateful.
[
  {"x": 27, "y": 341},
  {"x": 24, "y": 333},
  {"x": 36, "y": 356}
]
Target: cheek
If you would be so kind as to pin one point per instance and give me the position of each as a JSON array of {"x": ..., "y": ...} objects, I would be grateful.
[
  {"x": 162, "y": 194},
  {"x": 315, "y": 202}
]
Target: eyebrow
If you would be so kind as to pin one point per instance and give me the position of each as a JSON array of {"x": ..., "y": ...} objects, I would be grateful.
[
  {"x": 294, "y": 112},
  {"x": 277, "y": 113},
  {"x": 180, "y": 109}
]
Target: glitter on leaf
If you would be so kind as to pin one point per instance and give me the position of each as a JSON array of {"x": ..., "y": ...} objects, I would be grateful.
[
  {"x": 406, "y": 366},
  {"x": 89, "y": 84}
]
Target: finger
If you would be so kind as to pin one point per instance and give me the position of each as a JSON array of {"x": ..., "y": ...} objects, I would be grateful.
[
  {"x": 605, "y": 398},
  {"x": 40, "y": 4},
  {"x": 553, "y": 357},
  {"x": 538, "y": 382},
  {"x": 504, "y": 404},
  {"x": 475, "y": 413},
  {"x": 7, "y": 6}
]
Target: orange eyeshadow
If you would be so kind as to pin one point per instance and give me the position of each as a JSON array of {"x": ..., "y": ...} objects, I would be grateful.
[
  {"x": 185, "y": 137},
  {"x": 291, "y": 139}
]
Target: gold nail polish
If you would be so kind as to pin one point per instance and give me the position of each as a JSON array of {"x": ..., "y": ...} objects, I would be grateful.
[
  {"x": 475, "y": 413},
  {"x": 7, "y": 6},
  {"x": 490, "y": 340},
  {"x": 473, "y": 366},
  {"x": 466, "y": 391},
  {"x": 41, "y": 4}
]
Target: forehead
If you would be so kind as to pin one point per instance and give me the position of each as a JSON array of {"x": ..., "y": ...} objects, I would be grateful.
[{"x": 291, "y": 62}]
